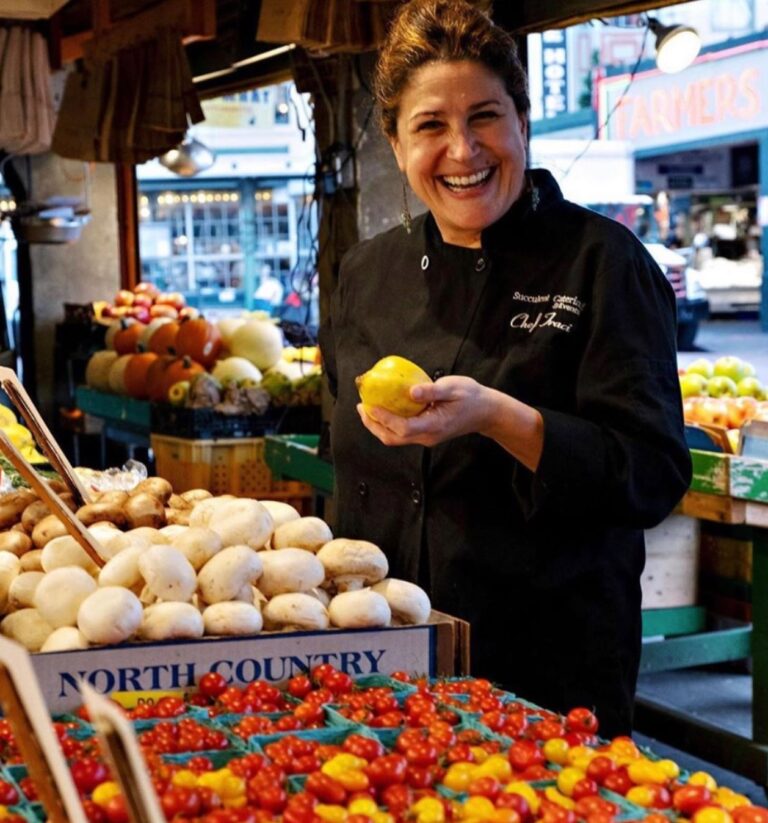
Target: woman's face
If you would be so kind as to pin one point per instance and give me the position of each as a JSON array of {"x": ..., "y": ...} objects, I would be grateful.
[{"x": 462, "y": 145}]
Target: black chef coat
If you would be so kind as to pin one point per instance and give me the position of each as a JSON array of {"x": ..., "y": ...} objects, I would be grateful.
[{"x": 566, "y": 311}]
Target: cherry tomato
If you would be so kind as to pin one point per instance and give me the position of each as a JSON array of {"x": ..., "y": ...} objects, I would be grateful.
[
  {"x": 8, "y": 794},
  {"x": 93, "y": 813},
  {"x": 600, "y": 767},
  {"x": 586, "y": 787},
  {"x": 688, "y": 799},
  {"x": 116, "y": 810},
  {"x": 546, "y": 729},
  {"x": 581, "y": 719},
  {"x": 180, "y": 800},
  {"x": 299, "y": 686},
  {"x": 516, "y": 802},
  {"x": 618, "y": 781},
  {"x": 318, "y": 673},
  {"x": 525, "y": 753},
  {"x": 212, "y": 684},
  {"x": 170, "y": 707},
  {"x": 326, "y": 789},
  {"x": 486, "y": 786},
  {"x": 402, "y": 676},
  {"x": 87, "y": 773},
  {"x": 338, "y": 682},
  {"x": 369, "y": 748},
  {"x": 387, "y": 769}
]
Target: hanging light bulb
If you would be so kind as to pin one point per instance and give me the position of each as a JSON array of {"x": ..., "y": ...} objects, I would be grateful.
[
  {"x": 189, "y": 158},
  {"x": 676, "y": 46}
]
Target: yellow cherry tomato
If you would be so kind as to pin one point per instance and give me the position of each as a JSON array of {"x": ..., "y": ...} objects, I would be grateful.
[
  {"x": 104, "y": 792},
  {"x": 643, "y": 771},
  {"x": 480, "y": 807},
  {"x": 353, "y": 780},
  {"x": 551, "y": 793},
  {"x": 459, "y": 776},
  {"x": 670, "y": 768},
  {"x": 567, "y": 778},
  {"x": 576, "y": 754},
  {"x": 505, "y": 816},
  {"x": 382, "y": 817},
  {"x": 363, "y": 805},
  {"x": 496, "y": 766},
  {"x": 526, "y": 791},
  {"x": 479, "y": 753},
  {"x": 429, "y": 810},
  {"x": 712, "y": 814},
  {"x": 556, "y": 750},
  {"x": 184, "y": 777},
  {"x": 333, "y": 814},
  {"x": 703, "y": 779},
  {"x": 624, "y": 749},
  {"x": 729, "y": 799},
  {"x": 641, "y": 796}
]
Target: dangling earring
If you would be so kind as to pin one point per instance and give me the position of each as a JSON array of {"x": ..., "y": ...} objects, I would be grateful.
[{"x": 405, "y": 214}]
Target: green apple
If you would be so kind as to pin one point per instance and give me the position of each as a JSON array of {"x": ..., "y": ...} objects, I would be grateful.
[
  {"x": 730, "y": 366},
  {"x": 693, "y": 385},
  {"x": 749, "y": 369},
  {"x": 721, "y": 386},
  {"x": 750, "y": 387},
  {"x": 701, "y": 366}
]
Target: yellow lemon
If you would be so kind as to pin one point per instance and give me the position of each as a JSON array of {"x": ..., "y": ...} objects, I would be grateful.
[
  {"x": 7, "y": 417},
  {"x": 387, "y": 385},
  {"x": 19, "y": 435}
]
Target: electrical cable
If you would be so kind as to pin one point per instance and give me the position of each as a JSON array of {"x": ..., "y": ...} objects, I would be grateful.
[{"x": 600, "y": 128}]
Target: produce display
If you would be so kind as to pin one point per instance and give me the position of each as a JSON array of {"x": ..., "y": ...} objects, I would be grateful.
[
  {"x": 376, "y": 750},
  {"x": 159, "y": 350},
  {"x": 185, "y": 566},
  {"x": 724, "y": 394}
]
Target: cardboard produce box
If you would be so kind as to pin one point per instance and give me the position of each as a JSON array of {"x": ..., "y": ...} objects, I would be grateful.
[{"x": 440, "y": 647}]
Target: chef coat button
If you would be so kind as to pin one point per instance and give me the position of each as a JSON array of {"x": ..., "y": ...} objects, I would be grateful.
[
  {"x": 480, "y": 264},
  {"x": 362, "y": 488},
  {"x": 424, "y": 263},
  {"x": 438, "y": 373},
  {"x": 416, "y": 497}
]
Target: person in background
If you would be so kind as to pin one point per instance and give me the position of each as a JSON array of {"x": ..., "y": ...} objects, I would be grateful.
[
  {"x": 553, "y": 431},
  {"x": 270, "y": 289}
]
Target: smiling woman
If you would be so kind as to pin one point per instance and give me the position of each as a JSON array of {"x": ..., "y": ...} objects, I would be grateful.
[{"x": 551, "y": 431}]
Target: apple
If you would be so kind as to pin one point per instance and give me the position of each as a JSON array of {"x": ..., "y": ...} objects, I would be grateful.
[
  {"x": 749, "y": 369},
  {"x": 188, "y": 312},
  {"x": 149, "y": 289},
  {"x": 141, "y": 313},
  {"x": 712, "y": 411},
  {"x": 171, "y": 298},
  {"x": 701, "y": 366},
  {"x": 163, "y": 310},
  {"x": 124, "y": 298},
  {"x": 693, "y": 385},
  {"x": 690, "y": 405},
  {"x": 740, "y": 409},
  {"x": 721, "y": 386},
  {"x": 142, "y": 299},
  {"x": 750, "y": 387},
  {"x": 730, "y": 366}
]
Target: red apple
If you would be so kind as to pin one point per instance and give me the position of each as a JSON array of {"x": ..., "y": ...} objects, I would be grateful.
[
  {"x": 163, "y": 310},
  {"x": 171, "y": 298},
  {"x": 142, "y": 299},
  {"x": 141, "y": 313},
  {"x": 149, "y": 289},
  {"x": 124, "y": 298}
]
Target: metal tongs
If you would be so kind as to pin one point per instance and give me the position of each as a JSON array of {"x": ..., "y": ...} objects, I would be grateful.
[{"x": 15, "y": 391}]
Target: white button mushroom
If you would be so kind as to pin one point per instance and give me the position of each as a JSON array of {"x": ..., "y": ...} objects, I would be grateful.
[
  {"x": 22, "y": 590},
  {"x": 242, "y": 522},
  {"x": 64, "y": 639},
  {"x": 123, "y": 569},
  {"x": 60, "y": 593},
  {"x": 109, "y": 615},
  {"x": 169, "y": 621},
  {"x": 309, "y": 533},
  {"x": 359, "y": 610},
  {"x": 10, "y": 567},
  {"x": 289, "y": 570},
  {"x": 299, "y": 612},
  {"x": 109, "y": 540},
  {"x": 27, "y": 627},
  {"x": 232, "y": 618},
  {"x": 409, "y": 603},
  {"x": 225, "y": 574},
  {"x": 148, "y": 534},
  {"x": 173, "y": 531},
  {"x": 352, "y": 564},
  {"x": 198, "y": 545},
  {"x": 66, "y": 551},
  {"x": 321, "y": 594},
  {"x": 167, "y": 573},
  {"x": 281, "y": 512},
  {"x": 203, "y": 510}
]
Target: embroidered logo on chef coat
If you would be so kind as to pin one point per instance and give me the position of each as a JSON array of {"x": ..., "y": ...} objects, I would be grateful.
[{"x": 561, "y": 311}]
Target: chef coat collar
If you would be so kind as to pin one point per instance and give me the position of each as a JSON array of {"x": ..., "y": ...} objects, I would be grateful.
[{"x": 541, "y": 191}]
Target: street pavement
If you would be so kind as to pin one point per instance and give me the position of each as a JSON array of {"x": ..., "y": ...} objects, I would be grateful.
[{"x": 742, "y": 338}]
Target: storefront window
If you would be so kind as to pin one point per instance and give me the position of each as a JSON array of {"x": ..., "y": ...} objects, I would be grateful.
[{"x": 237, "y": 235}]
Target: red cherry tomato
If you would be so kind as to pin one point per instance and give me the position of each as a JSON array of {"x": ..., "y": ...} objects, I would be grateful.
[
  {"x": 387, "y": 769},
  {"x": 116, "y": 810},
  {"x": 525, "y": 753},
  {"x": 581, "y": 719},
  {"x": 689, "y": 799},
  {"x": 326, "y": 789},
  {"x": 181, "y": 801},
  {"x": 87, "y": 773},
  {"x": 600, "y": 767},
  {"x": 8, "y": 794},
  {"x": 299, "y": 686},
  {"x": 369, "y": 748},
  {"x": 212, "y": 684},
  {"x": 749, "y": 814}
]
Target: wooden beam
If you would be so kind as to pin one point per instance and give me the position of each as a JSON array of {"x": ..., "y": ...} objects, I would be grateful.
[
  {"x": 128, "y": 225},
  {"x": 196, "y": 19},
  {"x": 29, "y": 9}
]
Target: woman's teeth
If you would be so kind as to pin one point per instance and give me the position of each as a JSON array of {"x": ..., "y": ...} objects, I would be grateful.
[{"x": 468, "y": 181}]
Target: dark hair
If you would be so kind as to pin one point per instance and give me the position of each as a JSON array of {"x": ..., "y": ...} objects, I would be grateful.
[{"x": 423, "y": 31}]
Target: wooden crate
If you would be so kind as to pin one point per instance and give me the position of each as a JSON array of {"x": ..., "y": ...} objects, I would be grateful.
[
  {"x": 670, "y": 577},
  {"x": 226, "y": 466}
]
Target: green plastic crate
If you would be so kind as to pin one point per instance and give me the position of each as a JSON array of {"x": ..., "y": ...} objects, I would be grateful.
[
  {"x": 295, "y": 456},
  {"x": 116, "y": 407}
]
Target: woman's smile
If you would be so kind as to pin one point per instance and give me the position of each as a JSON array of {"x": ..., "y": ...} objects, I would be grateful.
[{"x": 462, "y": 145}]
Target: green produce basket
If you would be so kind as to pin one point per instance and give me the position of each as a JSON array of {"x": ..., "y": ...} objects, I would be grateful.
[
  {"x": 125, "y": 410},
  {"x": 295, "y": 456}
]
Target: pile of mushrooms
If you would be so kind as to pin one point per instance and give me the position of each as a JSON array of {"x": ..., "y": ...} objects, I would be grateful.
[{"x": 185, "y": 566}]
